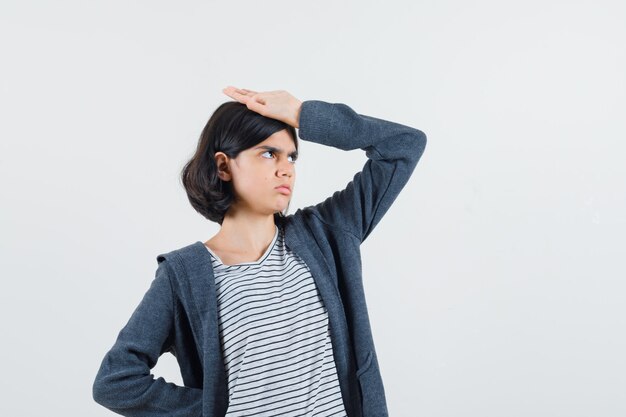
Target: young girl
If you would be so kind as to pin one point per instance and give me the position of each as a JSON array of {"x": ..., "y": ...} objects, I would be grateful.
[{"x": 268, "y": 317}]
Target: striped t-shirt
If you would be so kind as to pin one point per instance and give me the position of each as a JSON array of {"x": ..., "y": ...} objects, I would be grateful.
[{"x": 275, "y": 339}]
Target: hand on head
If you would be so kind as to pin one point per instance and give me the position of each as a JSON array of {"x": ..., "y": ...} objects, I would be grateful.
[{"x": 277, "y": 104}]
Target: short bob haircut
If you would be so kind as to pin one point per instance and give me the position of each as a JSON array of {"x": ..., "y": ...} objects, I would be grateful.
[{"x": 231, "y": 129}]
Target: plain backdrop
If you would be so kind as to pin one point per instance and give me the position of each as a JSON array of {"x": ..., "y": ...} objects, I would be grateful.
[{"x": 495, "y": 283}]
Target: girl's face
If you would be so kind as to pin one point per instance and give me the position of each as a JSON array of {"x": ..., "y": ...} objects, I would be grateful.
[{"x": 258, "y": 171}]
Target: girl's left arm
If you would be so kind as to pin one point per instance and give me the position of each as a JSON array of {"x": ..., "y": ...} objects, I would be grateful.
[{"x": 393, "y": 151}]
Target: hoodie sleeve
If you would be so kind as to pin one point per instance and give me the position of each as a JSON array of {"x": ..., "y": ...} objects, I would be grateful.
[
  {"x": 124, "y": 383},
  {"x": 393, "y": 151}
]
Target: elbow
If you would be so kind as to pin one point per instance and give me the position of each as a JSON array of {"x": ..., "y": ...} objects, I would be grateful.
[
  {"x": 104, "y": 390},
  {"x": 421, "y": 138},
  {"x": 101, "y": 392},
  {"x": 98, "y": 392},
  {"x": 111, "y": 396},
  {"x": 419, "y": 143}
]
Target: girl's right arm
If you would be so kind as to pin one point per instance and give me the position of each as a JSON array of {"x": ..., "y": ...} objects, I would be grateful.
[{"x": 124, "y": 383}]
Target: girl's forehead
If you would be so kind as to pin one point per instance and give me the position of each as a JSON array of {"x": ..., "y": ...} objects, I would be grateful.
[
  {"x": 280, "y": 136},
  {"x": 279, "y": 142}
]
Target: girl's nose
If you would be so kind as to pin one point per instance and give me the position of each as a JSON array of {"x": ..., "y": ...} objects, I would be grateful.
[{"x": 287, "y": 168}]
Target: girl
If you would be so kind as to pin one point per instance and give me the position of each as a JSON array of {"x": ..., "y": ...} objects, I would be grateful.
[{"x": 268, "y": 317}]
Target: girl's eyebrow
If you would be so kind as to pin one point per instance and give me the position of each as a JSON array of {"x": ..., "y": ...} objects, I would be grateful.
[{"x": 276, "y": 150}]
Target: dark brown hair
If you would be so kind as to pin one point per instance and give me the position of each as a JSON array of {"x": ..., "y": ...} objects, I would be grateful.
[{"x": 231, "y": 129}]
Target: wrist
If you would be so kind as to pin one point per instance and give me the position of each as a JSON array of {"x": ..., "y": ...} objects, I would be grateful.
[{"x": 298, "y": 106}]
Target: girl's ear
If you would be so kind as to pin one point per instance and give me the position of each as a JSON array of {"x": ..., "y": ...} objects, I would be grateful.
[{"x": 223, "y": 171}]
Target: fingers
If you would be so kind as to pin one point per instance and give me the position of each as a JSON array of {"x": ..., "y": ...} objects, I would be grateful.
[
  {"x": 247, "y": 92},
  {"x": 235, "y": 93},
  {"x": 239, "y": 94},
  {"x": 278, "y": 104},
  {"x": 253, "y": 100},
  {"x": 256, "y": 106}
]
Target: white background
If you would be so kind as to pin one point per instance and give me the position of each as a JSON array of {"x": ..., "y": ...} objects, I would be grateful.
[{"x": 495, "y": 283}]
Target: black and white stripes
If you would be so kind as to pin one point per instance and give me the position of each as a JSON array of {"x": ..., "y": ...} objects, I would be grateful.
[{"x": 275, "y": 338}]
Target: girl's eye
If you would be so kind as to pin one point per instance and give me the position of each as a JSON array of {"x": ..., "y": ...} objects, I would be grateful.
[{"x": 293, "y": 160}]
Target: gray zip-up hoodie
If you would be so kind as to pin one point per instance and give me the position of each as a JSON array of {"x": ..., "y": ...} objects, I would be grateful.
[{"x": 178, "y": 313}]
